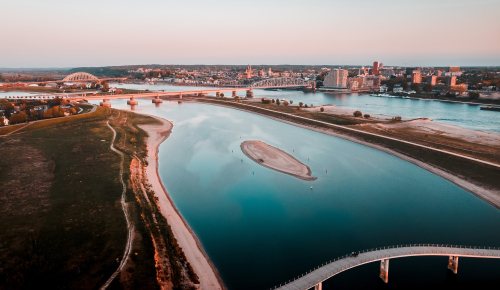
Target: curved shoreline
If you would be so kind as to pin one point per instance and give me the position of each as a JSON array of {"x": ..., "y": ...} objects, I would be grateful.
[
  {"x": 186, "y": 238},
  {"x": 490, "y": 196},
  {"x": 271, "y": 150}
]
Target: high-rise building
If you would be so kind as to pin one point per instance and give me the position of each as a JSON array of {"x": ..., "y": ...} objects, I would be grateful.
[
  {"x": 336, "y": 78},
  {"x": 249, "y": 72},
  {"x": 452, "y": 81},
  {"x": 376, "y": 70},
  {"x": 432, "y": 80},
  {"x": 416, "y": 77}
]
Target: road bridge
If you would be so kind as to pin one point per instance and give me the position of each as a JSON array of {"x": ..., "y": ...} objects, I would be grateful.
[{"x": 315, "y": 277}]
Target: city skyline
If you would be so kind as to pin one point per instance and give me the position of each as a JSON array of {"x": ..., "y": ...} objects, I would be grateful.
[{"x": 424, "y": 33}]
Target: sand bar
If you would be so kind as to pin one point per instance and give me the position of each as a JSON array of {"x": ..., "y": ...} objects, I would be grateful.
[{"x": 277, "y": 159}]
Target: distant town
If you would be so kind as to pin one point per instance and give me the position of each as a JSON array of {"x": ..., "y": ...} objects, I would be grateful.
[{"x": 477, "y": 84}]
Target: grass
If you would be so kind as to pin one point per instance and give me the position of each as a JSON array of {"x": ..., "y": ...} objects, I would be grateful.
[{"x": 60, "y": 199}]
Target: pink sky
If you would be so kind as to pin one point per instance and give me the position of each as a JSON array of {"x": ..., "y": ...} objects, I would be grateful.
[{"x": 61, "y": 33}]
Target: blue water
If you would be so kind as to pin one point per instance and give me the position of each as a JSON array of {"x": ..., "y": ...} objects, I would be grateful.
[
  {"x": 463, "y": 115},
  {"x": 261, "y": 227}
]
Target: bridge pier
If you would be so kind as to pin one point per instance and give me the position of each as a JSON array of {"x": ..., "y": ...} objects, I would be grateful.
[
  {"x": 157, "y": 100},
  {"x": 384, "y": 270},
  {"x": 132, "y": 101},
  {"x": 249, "y": 93},
  {"x": 105, "y": 103},
  {"x": 318, "y": 286},
  {"x": 453, "y": 264}
]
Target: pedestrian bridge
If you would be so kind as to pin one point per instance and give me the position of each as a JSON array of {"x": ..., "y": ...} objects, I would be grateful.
[{"x": 315, "y": 277}]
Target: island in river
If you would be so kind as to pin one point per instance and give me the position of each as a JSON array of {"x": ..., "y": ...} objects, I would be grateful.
[{"x": 275, "y": 158}]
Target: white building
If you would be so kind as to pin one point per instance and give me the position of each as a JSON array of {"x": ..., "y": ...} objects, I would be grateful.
[{"x": 336, "y": 78}]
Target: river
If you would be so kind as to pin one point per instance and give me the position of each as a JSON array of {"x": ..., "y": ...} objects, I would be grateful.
[
  {"x": 261, "y": 227},
  {"x": 458, "y": 114}
]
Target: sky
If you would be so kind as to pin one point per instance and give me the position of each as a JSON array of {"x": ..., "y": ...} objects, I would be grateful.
[{"x": 72, "y": 33}]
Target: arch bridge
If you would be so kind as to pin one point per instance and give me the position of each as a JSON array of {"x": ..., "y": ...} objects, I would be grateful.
[
  {"x": 81, "y": 77},
  {"x": 316, "y": 277},
  {"x": 283, "y": 82}
]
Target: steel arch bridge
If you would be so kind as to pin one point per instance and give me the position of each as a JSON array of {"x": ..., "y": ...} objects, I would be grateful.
[
  {"x": 280, "y": 83},
  {"x": 80, "y": 77}
]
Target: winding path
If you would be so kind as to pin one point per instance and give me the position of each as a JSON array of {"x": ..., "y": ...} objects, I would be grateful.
[
  {"x": 130, "y": 228},
  {"x": 315, "y": 277}
]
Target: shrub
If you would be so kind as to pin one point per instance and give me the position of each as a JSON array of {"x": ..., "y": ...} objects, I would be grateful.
[
  {"x": 357, "y": 114},
  {"x": 20, "y": 117},
  {"x": 367, "y": 116},
  {"x": 322, "y": 109},
  {"x": 397, "y": 118}
]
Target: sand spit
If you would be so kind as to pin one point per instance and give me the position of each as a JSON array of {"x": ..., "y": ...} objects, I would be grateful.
[{"x": 274, "y": 158}]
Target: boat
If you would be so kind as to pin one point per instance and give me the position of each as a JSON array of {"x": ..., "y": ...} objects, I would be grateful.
[{"x": 490, "y": 108}]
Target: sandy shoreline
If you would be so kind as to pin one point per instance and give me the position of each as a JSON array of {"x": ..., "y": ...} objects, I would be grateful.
[
  {"x": 186, "y": 238},
  {"x": 276, "y": 159}
]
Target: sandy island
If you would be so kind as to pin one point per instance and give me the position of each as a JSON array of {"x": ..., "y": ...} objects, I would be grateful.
[
  {"x": 277, "y": 159},
  {"x": 186, "y": 238}
]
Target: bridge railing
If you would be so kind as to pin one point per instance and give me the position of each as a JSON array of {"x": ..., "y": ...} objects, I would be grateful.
[{"x": 379, "y": 249}]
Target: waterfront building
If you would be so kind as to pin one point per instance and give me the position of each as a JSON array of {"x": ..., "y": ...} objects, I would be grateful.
[
  {"x": 432, "y": 80},
  {"x": 375, "y": 70},
  {"x": 371, "y": 83},
  {"x": 269, "y": 72},
  {"x": 336, "y": 78},
  {"x": 397, "y": 89},
  {"x": 416, "y": 77},
  {"x": 452, "y": 81},
  {"x": 438, "y": 73}
]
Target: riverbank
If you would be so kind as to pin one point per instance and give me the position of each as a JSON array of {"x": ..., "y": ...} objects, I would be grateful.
[
  {"x": 477, "y": 176},
  {"x": 276, "y": 159},
  {"x": 186, "y": 238}
]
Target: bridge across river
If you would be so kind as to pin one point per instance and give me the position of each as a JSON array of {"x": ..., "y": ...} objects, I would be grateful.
[{"x": 315, "y": 277}]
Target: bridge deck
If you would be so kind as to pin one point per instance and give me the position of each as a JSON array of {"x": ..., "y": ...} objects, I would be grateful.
[{"x": 341, "y": 264}]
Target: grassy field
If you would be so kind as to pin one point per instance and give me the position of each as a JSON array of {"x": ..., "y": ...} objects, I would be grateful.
[{"x": 60, "y": 213}]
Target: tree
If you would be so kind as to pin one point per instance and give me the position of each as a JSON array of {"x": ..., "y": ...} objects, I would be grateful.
[
  {"x": 20, "y": 117},
  {"x": 357, "y": 114},
  {"x": 301, "y": 104},
  {"x": 367, "y": 116},
  {"x": 322, "y": 109},
  {"x": 277, "y": 102},
  {"x": 105, "y": 87},
  {"x": 473, "y": 95}
]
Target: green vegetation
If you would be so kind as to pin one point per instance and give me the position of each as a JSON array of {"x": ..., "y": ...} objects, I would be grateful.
[
  {"x": 357, "y": 114},
  {"x": 61, "y": 199}
]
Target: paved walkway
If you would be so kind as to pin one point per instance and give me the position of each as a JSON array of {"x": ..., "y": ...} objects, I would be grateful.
[{"x": 339, "y": 265}]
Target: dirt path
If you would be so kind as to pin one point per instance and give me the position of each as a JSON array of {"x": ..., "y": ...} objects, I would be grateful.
[{"x": 130, "y": 228}]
